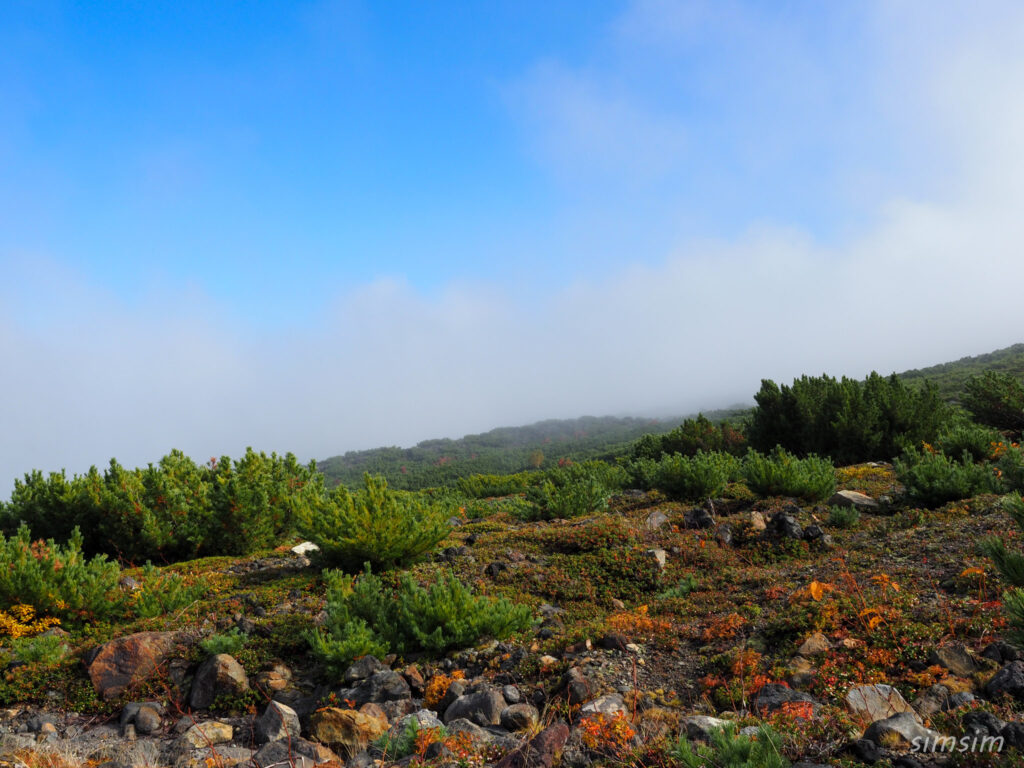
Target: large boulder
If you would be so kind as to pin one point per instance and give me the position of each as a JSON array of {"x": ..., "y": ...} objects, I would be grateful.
[
  {"x": 219, "y": 675},
  {"x": 1009, "y": 680},
  {"x": 875, "y": 702},
  {"x": 346, "y": 729},
  {"x": 853, "y": 499},
  {"x": 775, "y": 696},
  {"x": 902, "y": 732},
  {"x": 482, "y": 708},
  {"x": 127, "y": 661}
]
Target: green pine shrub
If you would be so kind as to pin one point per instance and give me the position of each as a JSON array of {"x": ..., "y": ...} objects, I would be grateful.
[
  {"x": 694, "y": 477},
  {"x": 41, "y": 649},
  {"x": 995, "y": 399},
  {"x": 782, "y": 474},
  {"x": 489, "y": 486},
  {"x": 692, "y": 436},
  {"x": 575, "y": 490},
  {"x": 932, "y": 478},
  {"x": 230, "y": 642},
  {"x": 173, "y": 510},
  {"x": 843, "y": 517},
  {"x": 160, "y": 593},
  {"x": 727, "y": 748},
  {"x": 689, "y": 583},
  {"x": 375, "y": 525},
  {"x": 57, "y": 580},
  {"x": 1011, "y": 468},
  {"x": 365, "y": 617},
  {"x": 846, "y": 420},
  {"x": 978, "y": 441},
  {"x": 1010, "y": 565}
]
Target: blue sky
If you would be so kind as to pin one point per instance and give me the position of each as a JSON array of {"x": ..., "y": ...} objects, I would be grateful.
[{"x": 330, "y": 225}]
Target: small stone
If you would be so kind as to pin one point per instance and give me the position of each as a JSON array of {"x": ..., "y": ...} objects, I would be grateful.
[
  {"x": 362, "y": 669},
  {"x": 511, "y": 694},
  {"x": 701, "y": 727},
  {"x": 306, "y": 548},
  {"x": 345, "y": 729},
  {"x": 609, "y": 706},
  {"x": 657, "y": 557},
  {"x": 147, "y": 720},
  {"x": 956, "y": 658},
  {"x": 518, "y": 717},
  {"x": 656, "y": 520},
  {"x": 218, "y": 675},
  {"x": 815, "y": 645},
  {"x": 205, "y": 734},
  {"x": 278, "y": 721},
  {"x": 1009, "y": 680}
]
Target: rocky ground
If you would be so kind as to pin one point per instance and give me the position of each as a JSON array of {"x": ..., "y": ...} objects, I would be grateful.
[{"x": 654, "y": 619}]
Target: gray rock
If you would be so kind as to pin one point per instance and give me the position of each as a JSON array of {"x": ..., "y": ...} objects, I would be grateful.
[
  {"x": 362, "y": 669},
  {"x": 483, "y": 708},
  {"x": 511, "y": 694},
  {"x": 784, "y": 525},
  {"x": 425, "y": 718},
  {"x": 386, "y": 685},
  {"x": 609, "y": 705},
  {"x": 699, "y": 518},
  {"x": 875, "y": 702},
  {"x": 1009, "y": 681},
  {"x": 956, "y": 658},
  {"x": 277, "y": 722},
  {"x": 518, "y": 717},
  {"x": 656, "y": 520},
  {"x": 657, "y": 557},
  {"x": 901, "y": 732},
  {"x": 981, "y": 723},
  {"x": 148, "y": 720},
  {"x": 853, "y": 499},
  {"x": 700, "y": 727},
  {"x": 772, "y": 696},
  {"x": 218, "y": 675}
]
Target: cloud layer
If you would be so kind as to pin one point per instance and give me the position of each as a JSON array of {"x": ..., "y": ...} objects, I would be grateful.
[{"x": 926, "y": 268}]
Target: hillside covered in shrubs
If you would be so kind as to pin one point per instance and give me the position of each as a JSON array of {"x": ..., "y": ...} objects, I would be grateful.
[{"x": 835, "y": 578}]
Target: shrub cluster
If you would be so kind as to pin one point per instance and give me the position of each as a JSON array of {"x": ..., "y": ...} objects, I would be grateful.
[
  {"x": 694, "y": 477},
  {"x": 375, "y": 525},
  {"x": 995, "y": 399},
  {"x": 693, "y": 435},
  {"x": 847, "y": 420},
  {"x": 171, "y": 511},
  {"x": 978, "y": 441},
  {"x": 364, "y": 617},
  {"x": 1010, "y": 565},
  {"x": 489, "y": 486},
  {"x": 575, "y": 490},
  {"x": 730, "y": 749},
  {"x": 780, "y": 473},
  {"x": 932, "y": 478}
]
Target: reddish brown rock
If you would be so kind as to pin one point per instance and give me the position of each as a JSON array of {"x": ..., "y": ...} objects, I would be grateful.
[
  {"x": 540, "y": 751},
  {"x": 127, "y": 661}
]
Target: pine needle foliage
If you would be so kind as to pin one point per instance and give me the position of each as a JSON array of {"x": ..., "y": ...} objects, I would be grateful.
[
  {"x": 57, "y": 580},
  {"x": 364, "y": 616},
  {"x": 932, "y": 478},
  {"x": 1010, "y": 565},
  {"x": 376, "y": 525},
  {"x": 780, "y": 473},
  {"x": 728, "y": 749}
]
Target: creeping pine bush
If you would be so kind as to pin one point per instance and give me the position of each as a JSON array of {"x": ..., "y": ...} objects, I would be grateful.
[
  {"x": 364, "y": 617},
  {"x": 57, "y": 580},
  {"x": 843, "y": 517},
  {"x": 1010, "y": 467},
  {"x": 780, "y": 473},
  {"x": 932, "y": 478},
  {"x": 375, "y": 525},
  {"x": 488, "y": 486},
  {"x": 728, "y": 749},
  {"x": 1010, "y": 565},
  {"x": 162, "y": 593},
  {"x": 995, "y": 399},
  {"x": 693, "y": 435},
  {"x": 173, "y": 510},
  {"x": 977, "y": 440},
  {"x": 847, "y": 420},
  {"x": 231, "y": 642},
  {"x": 694, "y": 477},
  {"x": 575, "y": 490}
]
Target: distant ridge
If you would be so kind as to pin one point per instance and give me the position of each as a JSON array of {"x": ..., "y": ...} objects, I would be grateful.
[{"x": 514, "y": 449}]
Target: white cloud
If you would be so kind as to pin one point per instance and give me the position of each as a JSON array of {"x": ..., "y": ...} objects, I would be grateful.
[{"x": 933, "y": 272}]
